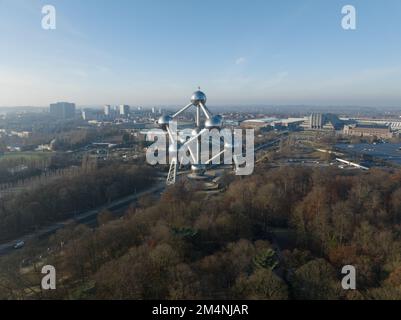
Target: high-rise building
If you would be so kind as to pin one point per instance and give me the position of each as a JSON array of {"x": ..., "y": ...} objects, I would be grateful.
[
  {"x": 63, "y": 110},
  {"x": 124, "y": 110},
  {"x": 91, "y": 114},
  {"x": 107, "y": 110}
]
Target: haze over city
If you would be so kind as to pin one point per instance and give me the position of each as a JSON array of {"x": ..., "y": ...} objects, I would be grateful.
[{"x": 149, "y": 53}]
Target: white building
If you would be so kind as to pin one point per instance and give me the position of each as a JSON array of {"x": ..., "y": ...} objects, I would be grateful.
[
  {"x": 107, "y": 110},
  {"x": 124, "y": 110}
]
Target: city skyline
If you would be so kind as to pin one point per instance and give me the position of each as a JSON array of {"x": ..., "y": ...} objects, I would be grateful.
[{"x": 142, "y": 53}]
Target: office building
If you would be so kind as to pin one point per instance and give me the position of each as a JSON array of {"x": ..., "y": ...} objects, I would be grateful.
[
  {"x": 107, "y": 110},
  {"x": 63, "y": 110},
  {"x": 124, "y": 110}
]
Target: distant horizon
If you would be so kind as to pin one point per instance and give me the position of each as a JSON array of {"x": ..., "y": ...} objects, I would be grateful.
[{"x": 211, "y": 105}]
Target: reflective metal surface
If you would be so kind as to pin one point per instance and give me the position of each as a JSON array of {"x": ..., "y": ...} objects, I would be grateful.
[
  {"x": 215, "y": 122},
  {"x": 198, "y": 168},
  {"x": 198, "y": 97},
  {"x": 164, "y": 121},
  {"x": 173, "y": 148},
  {"x": 195, "y": 131}
]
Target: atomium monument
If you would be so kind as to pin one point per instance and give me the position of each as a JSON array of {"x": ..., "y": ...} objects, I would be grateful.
[{"x": 198, "y": 101}]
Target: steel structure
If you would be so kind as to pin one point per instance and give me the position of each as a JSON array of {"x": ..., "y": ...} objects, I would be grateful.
[{"x": 198, "y": 100}]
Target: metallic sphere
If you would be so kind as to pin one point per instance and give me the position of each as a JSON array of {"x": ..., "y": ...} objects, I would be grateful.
[
  {"x": 173, "y": 149},
  {"x": 198, "y": 97},
  {"x": 198, "y": 169},
  {"x": 195, "y": 132},
  {"x": 214, "y": 122},
  {"x": 164, "y": 121},
  {"x": 229, "y": 145},
  {"x": 182, "y": 139}
]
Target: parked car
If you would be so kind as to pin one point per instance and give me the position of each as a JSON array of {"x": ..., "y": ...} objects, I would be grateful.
[{"x": 19, "y": 245}]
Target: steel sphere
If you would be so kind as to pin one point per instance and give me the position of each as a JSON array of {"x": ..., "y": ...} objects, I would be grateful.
[
  {"x": 182, "y": 139},
  {"x": 198, "y": 169},
  {"x": 164, "y": 121},
  {"x": 231, "y": 144},
  {"x": 214, "y": 122},
  {"x": 195, "y": 132},
  {"x": 198, "y": 97},
  {"x": 173, "y": 148}
]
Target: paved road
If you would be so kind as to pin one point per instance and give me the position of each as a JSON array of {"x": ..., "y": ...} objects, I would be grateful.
[{"x": 85, "y": 217}]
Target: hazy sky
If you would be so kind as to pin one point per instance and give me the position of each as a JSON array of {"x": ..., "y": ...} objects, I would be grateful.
[{"x": 145, "y": 52}]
